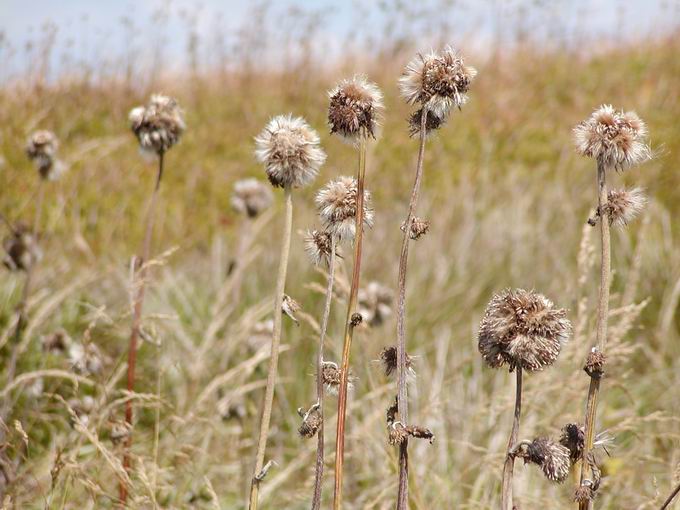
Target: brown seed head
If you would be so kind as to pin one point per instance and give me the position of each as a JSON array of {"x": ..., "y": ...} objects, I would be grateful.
[
  {"x": 57, "y": 342},
  {"x": 397, "y": 433},
  {"x": 355, "y": 108},
  {"x": 595, "y": 362},
  {"x": 318, "y": 246},
  {"x": 432, "y": 123},
  {"x": 388, "y": 357},
  {"x": 251, "y": 197},
  {"x": 623, "y": 205},
  {"x": 290, "y": 307},
  {"x": 22, "y": 250},
  {"x": 158, "y": 125},
  {"x": 375, "y": 303},
  {"x": 584, "y": 494},
  {"x": 419, "y": 227},
  {"x": 573, "y": 439},
  {"x": 522, "y": 328},
  {"x": 330, "y": 374},
  {"x": 551, "y": 457},
  {"x": 41, "y": 148},
  {"x": 311, "y": 421},
  {"x": 337, "y": 206}
]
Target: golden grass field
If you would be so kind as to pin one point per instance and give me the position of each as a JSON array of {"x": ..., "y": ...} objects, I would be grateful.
[{"x": 508, "y": 199}]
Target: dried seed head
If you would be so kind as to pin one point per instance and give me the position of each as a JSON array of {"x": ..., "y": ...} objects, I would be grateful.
[
  {"x": 522, "y": 328},
  {"x": 356, "y": 319},
  {"x": 232, "y": 409},
  {"x": 119, "y": 431},
  {"x": 41, "y": 148},
  {"x": 330, "y": 373},
  {"x": 22, "y": 250},
  {"x": 595, "y": 361},
  {"x": 623, "y": 205},
  {"x": 438, "y": 81},
  {"x": 616, "y": 139},
  {"x": 85, "y": 359},
  {"x": 318, "y": 246},
  {"x": 337, "y": 206},
  {"x": 419, "y": 227},
  {"x": 573, "y": 438},
  {"x": 290, "y": 307},
  {"x": 375, "y": 303},
  {"x": 388, "y": 357},
  {"x": 355, "y": 108},
  {"x": 392, "y": 411},
  {"x": 398, "y": 432},
  {"x": 432, "y": 123},
  {"x": 81, "y": 407},
  {"x": 57, "y": 342},
  {"x": 420, "y": 433},
  {"x": 551, "y": 457},
  {"x": 251, "y": 197},
  {"x": 290, "y": 151},
  {"x": 311, "y": 421},
  {"x": 158, "y": 125},
  {"x": 584, "y": 494}
]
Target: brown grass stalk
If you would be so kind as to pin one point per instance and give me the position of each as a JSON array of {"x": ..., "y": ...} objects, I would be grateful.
[
  {"x": 402, "y": 390},
  {"x": 349, "y": 329},
  {"x": 139, "y": 287},
  {"x": 258, "y": 473},
  {"x": 669, "y": 499},
  {"x": 509, "y": 466}
]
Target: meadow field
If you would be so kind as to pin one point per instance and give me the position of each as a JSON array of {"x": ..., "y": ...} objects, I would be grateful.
[{"x": 507, "y": 197}]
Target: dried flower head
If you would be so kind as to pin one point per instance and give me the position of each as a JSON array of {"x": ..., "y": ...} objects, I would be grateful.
[
  {"x": 81, "y": 408},
  {"x": 595, "y": 362},
  {"x": 432, "y": 123},
  {"x": 584, "y": 493},
  {"x": 119, "y": 430},
  {"x": 318, "y": 246},
  {"x": 616, "y": 139},
  {"x": 41, "y": 148},
  {"x": 551, "y": 457},
  {"x": 522, "y": 328},
  {"x": 392, "y": 411},
  {"x": 290, "y": 151},
  {"x": 251, "y": 197},
  {"x": 437, "y": 81},
  {"x": 355, "y": 108},
  {"x": 419, "y": 227},
  {"x": 337, "y": 206},
  {"x": 57, "y": 342},
  {"x": 623, "y": 205},
  {"x": 388, "y": 357},
  {"x": 311, "y": 420},
  {"x": 158, "y": 125},
  {"x": 85, "y": 359},
  {"x": 398, "y": 432},
  {"x": 573, "y": 439},
  {"x": 22, "y": 250},
  {"x": 375, "y": 303},
  {"x": 330, "y": 373},
  {"x": 290, "y": 307}
]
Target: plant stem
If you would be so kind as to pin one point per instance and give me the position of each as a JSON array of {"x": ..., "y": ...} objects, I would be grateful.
[
  {"x": 509, "y": 466},
  {"x": 670, "y": 498},
  {"x": 274, "y": 358},
  {"x": 38, "y": 206},
  {"x": 602, "y": 316},
  {"x": 402, "y": 390},
  {"x": 140, "y": 284},
  {"x": 318, "y": 476},
  {"x": 349, "y": 330}
]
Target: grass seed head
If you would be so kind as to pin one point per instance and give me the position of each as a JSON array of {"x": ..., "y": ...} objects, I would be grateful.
[
  {"x": 355, "y": 108},
  {"x": 337, "y": 206},
  {"x": 251, "y": 197},
  {"x": 158, "y": 125},
  {"x": 624, "y": 205}
]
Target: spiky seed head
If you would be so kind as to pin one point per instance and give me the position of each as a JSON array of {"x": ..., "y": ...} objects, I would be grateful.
[
  {"x": 595, "y": 362},
  {"x": 551, "y": 457},
  {"x": 158, "y": 125},
  {"x": 419, "y": 227},
  {"x": 355, "y": 108},
  {"x": 432, "y": 123},
  {"x": 330, "y": 374},
  {"x": 311, "y": 421},
  {"x": 573, "y": 439},
  {"x": 41, "y": 148},
  {"x": 318, "y": 245},
  {"x": 392, "y": 411},
  {"x": 420, "y": 433},
  {"x": 398, "y": 433},
  {"x": 388, "y": 357},
  {"x": 290, "y": 307},
  {"x": 624, "y": 205},
  {"x": 375, "y": 303},
  {"x": 22, "y": 250},
  {"x": 616, "y": 139},
  {"x": 584, "y": 494},
  {"x": 290, "y": 151},
  {"x": 523, "y": 329},
  {"x": 437, "y": 81},
  {"x": 337, "y": 206},
  {"x": 251, "y": 197}
]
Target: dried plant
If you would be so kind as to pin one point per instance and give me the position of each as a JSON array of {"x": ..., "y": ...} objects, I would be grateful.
[
  {"x": 553, "y": 458},
  {"x": 41, "y": 148},
  {"x": 616, "y": 140},
  {"x": 290, "y": 152}
]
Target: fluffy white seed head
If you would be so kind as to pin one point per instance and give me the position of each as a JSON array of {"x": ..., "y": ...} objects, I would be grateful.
[
  {"x": 251, "y": 197},
  {"x": 624, "y": 205},
  {"x": 337, "y": 206},
  {"x": 355, "y": 109},
  {"x": 158, "y": 125},
  {"x": 41, "y": 148}
]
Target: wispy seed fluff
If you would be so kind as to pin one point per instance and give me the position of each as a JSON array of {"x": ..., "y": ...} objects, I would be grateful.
[
  {"x": 318, "y": 246},
  {"x": 337, "y": 206},
  {"x": 22, "y": 250},
  {"x": 551, "y": 457},
  {"x": 624, "y": 205},
  {"x": 522, "y": 328},
  {"x": 41, "y": 148},
  {"x": 290, "y": 151},
  {"x": 158, "y": 125},
  {"x": 330, "y": 374},
  {"x": 251, "y": 197},
  {"x": 355, "y": 108},
  {"x": 616, "y": 139},
  {"x": 437, "y": 81},
  {"x": 388, "y": 358}
]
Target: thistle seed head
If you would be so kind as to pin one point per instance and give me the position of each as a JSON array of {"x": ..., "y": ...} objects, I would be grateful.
[
  {"x": 573, "y": 439},
  {"x": 432, "y": 123},
  {"x": 419, "y": 227},
  {"x": 311, "y": 421},
  {"x": 41, "y": 148},
  {"x": 355, "y": 108},
  {"x": 375, "y": 303},
  {"x": 616, "y": 139},
  {"x": 57, "y": 342},
  {"x": 388, "y": 357},
  {"x": 22, "y": 250},
  {"x": 337, "y": 206},
  {"x": 85, "y": 359},
  {"x": 437, "y": 81},
  {"x": 522, "y": 328},
  {"x": 551, "y": 457},
  {"x": 290, "y": 307},
  {"x": 595, "y": 362},
  {"x": 398, "y": 433},
  {"x": 290, "y": 151},
  {"x": 251, "y": 197},
  {"x": 158, "y": 125},
  {"x": 119, "y": 431},
  {"x": 624, "y": 205},
  {"x": 318, "y": 246},
  {"x": 584, "y": 494},
  {"x": 330, "y": 374}
]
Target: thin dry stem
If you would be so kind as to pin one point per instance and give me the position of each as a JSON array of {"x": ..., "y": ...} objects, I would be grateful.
[
  {"x": 274, "y": 358},
  {"x": 669, "y": 500},
  {"x": 508, "y": 468},
  {"x": 402, "y": 390},
  {"x": 349, "y": 330},
  {"x": 318, "y": 475}
]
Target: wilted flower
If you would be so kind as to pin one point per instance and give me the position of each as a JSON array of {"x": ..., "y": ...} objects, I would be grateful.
[
  {"x": 311, "y": 420},
  {"x": 290, "y": 307},
  {"x": 318, "y": 246},
  {"x": 290, "y": 152},
  {"x": 551, "y": 457},
  {"x": 623, "y": 205},
  {"x": 42, "y": 150},
  {"x": 432, "y": 123},
  {"x": 355, "y": 107},
  {"x": 158, "y": 125},
  {"x": 85, "y": 359},
  {"x": 22, "y": 250},
  {"x": 251, "y": 197},
  {"x": 419, "y": 227},
  {"x": 337, "y": 205},
  {"x": 616, "y": 139},
  {"x": 330, "y": 374},
  {"x": 437, "y": 81},
  {"x": 375, "y": 303},
  {"x": 388, "y": 357},
  {"x": 398, "y": 432},
  {"x": 522, "y": 328}
]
